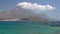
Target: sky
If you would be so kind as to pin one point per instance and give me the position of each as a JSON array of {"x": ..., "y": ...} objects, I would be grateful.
[{"x": 55, "y": 13}]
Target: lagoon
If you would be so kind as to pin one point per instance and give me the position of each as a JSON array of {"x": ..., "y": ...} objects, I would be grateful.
[{"x": 27, "y": 28}]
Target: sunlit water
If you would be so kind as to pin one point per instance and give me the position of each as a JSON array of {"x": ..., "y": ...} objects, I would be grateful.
[{"x": 27, "y": 28}]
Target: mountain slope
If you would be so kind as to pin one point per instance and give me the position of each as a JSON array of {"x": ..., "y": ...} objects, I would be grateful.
[{"x": 22, "y": 14}]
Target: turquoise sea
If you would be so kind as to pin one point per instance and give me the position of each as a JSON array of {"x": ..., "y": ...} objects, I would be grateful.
[{"x": 27, "y": 28}]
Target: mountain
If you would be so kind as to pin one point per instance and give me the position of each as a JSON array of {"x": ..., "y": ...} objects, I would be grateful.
[{"x": 22, "y": 15}]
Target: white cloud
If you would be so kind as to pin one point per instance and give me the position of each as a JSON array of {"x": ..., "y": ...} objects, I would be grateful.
[{"x": 35, "y": 6}]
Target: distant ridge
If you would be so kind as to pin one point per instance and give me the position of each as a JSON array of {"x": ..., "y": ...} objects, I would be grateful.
[{"x": 23, "y": 15}]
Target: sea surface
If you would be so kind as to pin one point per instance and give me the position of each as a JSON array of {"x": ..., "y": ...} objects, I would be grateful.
[{"x": 7, "y": 27}]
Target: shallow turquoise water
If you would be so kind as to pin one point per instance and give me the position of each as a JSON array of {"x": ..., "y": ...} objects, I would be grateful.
[{"x": 27, "y": 28}]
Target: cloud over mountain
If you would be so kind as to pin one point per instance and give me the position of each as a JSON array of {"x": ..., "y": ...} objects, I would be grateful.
[
  {"x": 26, "y": 11},
  {"x": 35, "y": 6}
]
